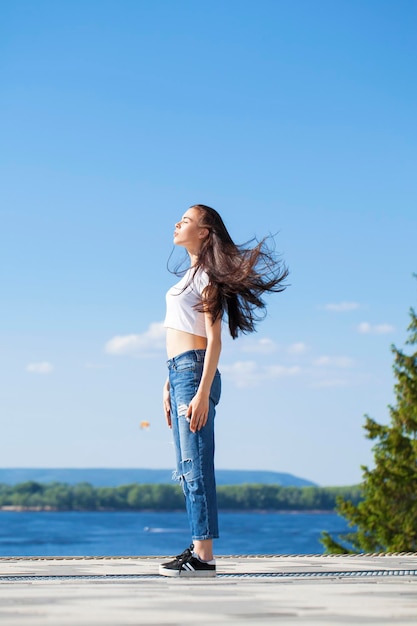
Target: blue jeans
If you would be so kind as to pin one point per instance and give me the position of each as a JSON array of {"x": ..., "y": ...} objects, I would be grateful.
[{"x": 194, "y": 451}]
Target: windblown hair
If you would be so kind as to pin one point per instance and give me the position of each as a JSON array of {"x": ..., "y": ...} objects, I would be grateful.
[{"x": 238, "y": 275}]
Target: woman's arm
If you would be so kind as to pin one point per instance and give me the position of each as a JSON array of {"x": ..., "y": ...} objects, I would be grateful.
[
  {"x": 198, "y": 408},
  {"x": 167, "y": 403}
]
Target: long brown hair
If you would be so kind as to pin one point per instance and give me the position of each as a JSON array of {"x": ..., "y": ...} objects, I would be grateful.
[{"x": 238, "y": 275}]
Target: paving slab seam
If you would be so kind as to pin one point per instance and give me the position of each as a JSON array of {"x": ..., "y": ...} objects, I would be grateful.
[
  {"x": 110, "y": 577},
  {"x": 219, "y": 557}
]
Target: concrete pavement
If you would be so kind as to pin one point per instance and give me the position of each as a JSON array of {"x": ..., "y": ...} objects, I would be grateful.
[{"x": 313, "y": 589}]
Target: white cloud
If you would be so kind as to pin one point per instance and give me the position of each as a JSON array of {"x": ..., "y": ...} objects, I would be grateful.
[
  {"x": 152, "y": 340},
  {"x": 241, "y": 372},
  {"x": 334, "y": 361},
  {"x": 261, "y": 346},
  {"x": 330, "y": 382},
  {"x": 297, "y": 348},
  {"x": 341, "y": 307},
  {"x": 41, "y": 367},
  {"x": 376, "y": 329},
  {"x": 277, "y": 371},
  {"x": 249, "y": 373}
]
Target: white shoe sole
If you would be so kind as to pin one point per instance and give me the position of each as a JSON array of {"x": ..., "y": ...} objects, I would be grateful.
[{"x": 163, "y": 571}]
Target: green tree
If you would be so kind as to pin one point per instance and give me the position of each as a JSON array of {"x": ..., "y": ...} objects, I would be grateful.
[
  {"x": 84, "y": 497},
  {"x": 58, "y": 496},
  {"x": 385, "y": 520}
]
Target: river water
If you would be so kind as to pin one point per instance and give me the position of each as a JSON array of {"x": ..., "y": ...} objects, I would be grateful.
[{"x": 159, "y": 533}]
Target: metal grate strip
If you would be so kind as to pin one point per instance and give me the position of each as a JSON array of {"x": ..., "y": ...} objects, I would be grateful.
[{"x": 110, "y": 577}]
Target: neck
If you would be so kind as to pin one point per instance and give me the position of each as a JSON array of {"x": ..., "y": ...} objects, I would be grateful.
[{"x": 193, "y": 258}]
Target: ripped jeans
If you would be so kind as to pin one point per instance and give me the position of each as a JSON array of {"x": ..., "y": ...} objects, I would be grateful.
[{"x": 194, "y": 451}]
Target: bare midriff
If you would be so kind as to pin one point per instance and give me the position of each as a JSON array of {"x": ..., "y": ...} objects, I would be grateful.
[{"x": 178, "y": 342}]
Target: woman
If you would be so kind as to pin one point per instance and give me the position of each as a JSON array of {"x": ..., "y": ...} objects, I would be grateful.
[{"x": 222, "y": 279}]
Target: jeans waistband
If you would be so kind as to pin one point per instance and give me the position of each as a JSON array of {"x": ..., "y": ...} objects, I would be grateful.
[{"x": 191, "y": 355}]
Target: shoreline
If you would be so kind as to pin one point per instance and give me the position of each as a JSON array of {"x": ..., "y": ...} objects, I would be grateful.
[{"x": 49, "y": 509}]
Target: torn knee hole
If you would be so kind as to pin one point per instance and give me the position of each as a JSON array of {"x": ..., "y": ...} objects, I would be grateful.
[
  {"x": 186, "y": 468},
  {"x": 182, "y": 409}
]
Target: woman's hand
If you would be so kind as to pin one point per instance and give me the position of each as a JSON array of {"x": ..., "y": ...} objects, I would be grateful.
[
  {"x": 166, "y": 401},
  {"x": 198, "y": 411}
]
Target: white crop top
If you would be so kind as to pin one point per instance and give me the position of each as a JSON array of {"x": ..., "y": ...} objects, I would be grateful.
[{"x": 181, "y": 314}]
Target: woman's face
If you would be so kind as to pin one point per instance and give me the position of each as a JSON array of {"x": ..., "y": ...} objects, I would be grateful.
[{"x": 187, "y": 231}]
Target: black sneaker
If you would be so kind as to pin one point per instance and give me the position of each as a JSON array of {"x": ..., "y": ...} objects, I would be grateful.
[{"x": 188, "y": 565}]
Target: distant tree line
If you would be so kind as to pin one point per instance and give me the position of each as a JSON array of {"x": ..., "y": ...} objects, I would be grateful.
[{"x": 136, "y": 497}]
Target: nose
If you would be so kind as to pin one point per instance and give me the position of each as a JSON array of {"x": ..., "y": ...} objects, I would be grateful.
[{"x": 178, "y": 224}]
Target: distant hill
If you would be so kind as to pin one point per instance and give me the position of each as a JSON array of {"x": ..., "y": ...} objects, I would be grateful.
[{"x": 110, "y": 477}]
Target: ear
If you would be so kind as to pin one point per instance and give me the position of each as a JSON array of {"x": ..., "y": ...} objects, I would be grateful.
[{"x": 203, "y": 234}]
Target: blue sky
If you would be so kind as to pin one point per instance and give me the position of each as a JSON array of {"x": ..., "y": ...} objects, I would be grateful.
[{"x": 296, "y": 118}]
